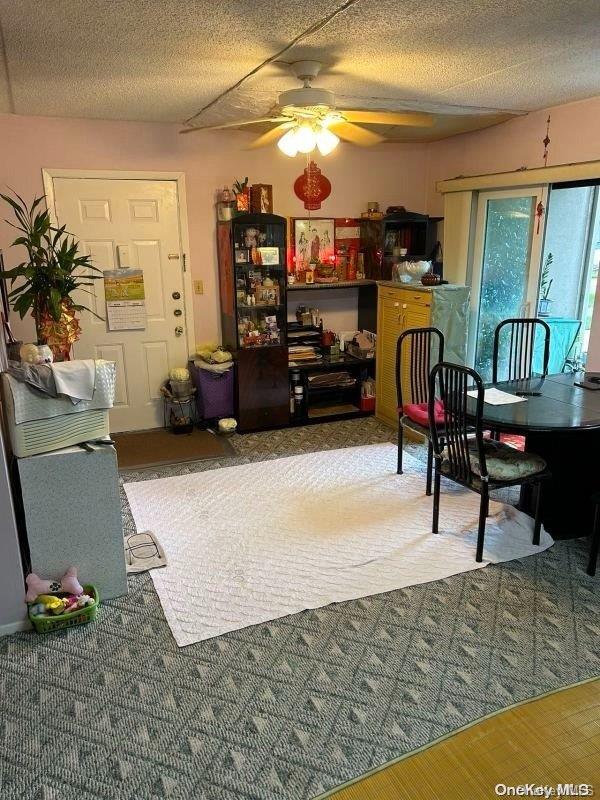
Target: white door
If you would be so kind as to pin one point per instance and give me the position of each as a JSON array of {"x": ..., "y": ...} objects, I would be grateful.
[
  {"x": 506, "y": 266},
  {"x": 130, "y": 223}
]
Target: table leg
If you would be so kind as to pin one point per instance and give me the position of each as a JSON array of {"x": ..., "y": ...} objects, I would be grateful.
[{"x": 573, "y": 460}]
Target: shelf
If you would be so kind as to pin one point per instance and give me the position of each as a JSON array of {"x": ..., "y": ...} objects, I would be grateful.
[
  {"x": 334, "y": 410},
  {"x": 259, "y": 305},
  {"x": 344, "y": 361},
  {"x": 297, "y": 287}
]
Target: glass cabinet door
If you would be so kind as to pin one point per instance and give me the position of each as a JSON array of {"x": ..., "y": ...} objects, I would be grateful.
[
  {"x": 259, "y": 256},
  {"x": 505, "y": 268}
]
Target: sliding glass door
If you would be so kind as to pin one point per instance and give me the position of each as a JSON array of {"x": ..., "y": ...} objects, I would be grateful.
[{"x": 506, "y": 266}]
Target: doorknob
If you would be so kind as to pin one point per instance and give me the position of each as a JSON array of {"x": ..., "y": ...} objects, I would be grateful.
[{"x": 179, "y": 331}]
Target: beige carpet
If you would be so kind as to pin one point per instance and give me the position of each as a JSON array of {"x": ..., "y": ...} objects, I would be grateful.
[{"x": 154, "y": 448}]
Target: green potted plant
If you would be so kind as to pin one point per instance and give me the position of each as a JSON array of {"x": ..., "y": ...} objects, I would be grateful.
[
  {"x": 53, "y": 269},
  {"x": 544, "y": 301}
]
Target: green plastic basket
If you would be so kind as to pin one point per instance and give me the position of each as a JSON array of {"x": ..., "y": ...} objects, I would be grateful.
[{"x": 80, "y": 616}]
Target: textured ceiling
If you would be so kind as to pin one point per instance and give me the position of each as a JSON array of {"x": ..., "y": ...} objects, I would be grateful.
[{"x": 165, "y": 60}]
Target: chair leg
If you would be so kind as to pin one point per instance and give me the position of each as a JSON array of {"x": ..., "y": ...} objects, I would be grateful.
[
  {"x": 400, "y": 445},
  {"x": 436, "y": 498},
  {"x": 594, "y": 544},
  {"x": 429, "y": 467},
  {"x": 538, "y": 513},
  {"x": 487, "y": 505},
  {"x": 483, "y": 506}
]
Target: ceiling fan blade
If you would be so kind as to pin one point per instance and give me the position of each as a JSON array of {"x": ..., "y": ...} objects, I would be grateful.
[
  {"x": 355, "y": 134},
  {"x": 413, "y": 118},
  {"x": 270, "y": 136},
  {"x": 237, "y": 124}
]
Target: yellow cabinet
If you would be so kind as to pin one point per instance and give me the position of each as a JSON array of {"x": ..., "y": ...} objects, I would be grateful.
[{"x": 398, "y": 309}]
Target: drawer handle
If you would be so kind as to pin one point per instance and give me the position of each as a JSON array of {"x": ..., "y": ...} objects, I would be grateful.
[
  {"x": 396, "y": 305},
  {"x": 404, "y": 305}
]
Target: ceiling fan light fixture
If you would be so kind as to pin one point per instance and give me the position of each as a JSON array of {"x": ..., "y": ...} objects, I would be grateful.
[
  {"x": 305, "y": 138},
  {"x": 327, "y": 141},
  {"x": 287, "y": 143}
]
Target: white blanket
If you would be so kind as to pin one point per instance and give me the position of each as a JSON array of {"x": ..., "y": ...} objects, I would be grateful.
[
  {"x": 256, "y": 542},
  {"x": 76, "y": 379}
]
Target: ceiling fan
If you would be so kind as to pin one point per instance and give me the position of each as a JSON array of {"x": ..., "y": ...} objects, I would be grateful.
[{"x": 307, "y": 117}]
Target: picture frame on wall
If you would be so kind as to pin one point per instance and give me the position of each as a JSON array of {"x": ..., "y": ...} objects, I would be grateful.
[
  {"x": 261, "y": 198},
  {"x": 314, "y": 240}
]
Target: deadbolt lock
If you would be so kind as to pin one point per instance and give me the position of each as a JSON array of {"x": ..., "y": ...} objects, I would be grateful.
[
  {"x": 178, "y": 312},
  {"x": 176, "y": 296}
]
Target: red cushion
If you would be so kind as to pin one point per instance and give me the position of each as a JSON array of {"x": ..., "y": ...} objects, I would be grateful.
[{"x": 419, "y": 413}]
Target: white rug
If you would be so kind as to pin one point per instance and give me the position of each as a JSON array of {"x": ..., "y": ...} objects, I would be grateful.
[{"x": 252, "y": 543}]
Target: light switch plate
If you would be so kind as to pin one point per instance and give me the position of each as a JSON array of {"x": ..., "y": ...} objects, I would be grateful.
[{"x": 198, "y": 287}]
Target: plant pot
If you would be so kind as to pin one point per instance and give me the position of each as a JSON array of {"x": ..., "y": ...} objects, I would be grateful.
[
  {"x": 544, "y": 307},
  {"x": 59, "y": 336}
]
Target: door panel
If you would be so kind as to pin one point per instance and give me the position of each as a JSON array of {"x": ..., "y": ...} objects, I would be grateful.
[
  {"x": 506, "y": 267},
  {"x": 130, "y": 223}
]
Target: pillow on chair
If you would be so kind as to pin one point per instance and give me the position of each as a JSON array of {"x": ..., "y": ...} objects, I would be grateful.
[
  {"x": 419, "y": 413},
  {"x": 504, "y": 463}
]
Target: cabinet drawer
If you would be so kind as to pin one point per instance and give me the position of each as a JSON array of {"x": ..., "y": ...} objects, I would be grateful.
[{"x": 405, "y": 296}]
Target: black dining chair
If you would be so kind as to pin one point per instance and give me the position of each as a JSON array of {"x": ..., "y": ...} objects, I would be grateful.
[
  {"x": 595, "y": 540},
  {"x": 521, "y": 335},
  {"x": 462, "y": 454},
  {"x": 412, "y": 385}
]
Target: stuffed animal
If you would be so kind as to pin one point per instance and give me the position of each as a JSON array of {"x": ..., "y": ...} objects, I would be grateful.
[
  {"x": 51, "y": 603},
  {"x": 72, "y": 603},
  {"x": 68, "y": 583}
]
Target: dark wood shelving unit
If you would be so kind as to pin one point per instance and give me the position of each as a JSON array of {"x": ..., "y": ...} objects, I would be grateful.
[
  {"x": 261, "y": 379},
  {"x": 332, "y": 397}
]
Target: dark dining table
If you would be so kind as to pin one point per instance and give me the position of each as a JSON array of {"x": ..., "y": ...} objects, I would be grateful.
[{"x": 560, "y": 422}]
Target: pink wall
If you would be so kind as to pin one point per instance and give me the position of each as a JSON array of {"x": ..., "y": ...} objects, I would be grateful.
[
  {"x": 575, "y": 137},
  {"x": 392, "y": 174},
  {"x": 574, "y": 134}
]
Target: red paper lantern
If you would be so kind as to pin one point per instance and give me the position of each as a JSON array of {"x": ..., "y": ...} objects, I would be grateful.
[{"x": 312, "y": 187}]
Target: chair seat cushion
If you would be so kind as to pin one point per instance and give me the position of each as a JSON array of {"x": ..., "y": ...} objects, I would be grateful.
[
  {"x": 419, "y": 413},
  {"x": 504, "y": 463}
]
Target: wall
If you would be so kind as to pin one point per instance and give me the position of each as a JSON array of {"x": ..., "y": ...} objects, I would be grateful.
[
  {"x": 391, "y": 174},
  {"x": 575, "y": 137}
]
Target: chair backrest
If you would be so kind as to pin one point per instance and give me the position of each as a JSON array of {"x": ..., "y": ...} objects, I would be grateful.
[
  {"x": 520, "y": 335},
  {"x": 451, "y": 382},
  {"x": 421, "y": 342}
]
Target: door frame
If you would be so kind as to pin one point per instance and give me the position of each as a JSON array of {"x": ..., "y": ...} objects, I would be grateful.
[
  {"x": 48, "y": 176},
  {"x": 536, "y": 246}
]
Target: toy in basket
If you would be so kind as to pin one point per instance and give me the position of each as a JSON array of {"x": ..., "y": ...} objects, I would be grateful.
[{"x": 54, "y": 605}]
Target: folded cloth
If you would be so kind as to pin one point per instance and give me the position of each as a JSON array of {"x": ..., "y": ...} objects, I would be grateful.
[
  {"x": 76, "y": 379},
  {"x": 38, "y": 377},
  {"x": 419, "y": 413}
]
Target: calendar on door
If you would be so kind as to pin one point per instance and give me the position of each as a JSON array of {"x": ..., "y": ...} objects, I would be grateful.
[{"x": 125, "y": 299}]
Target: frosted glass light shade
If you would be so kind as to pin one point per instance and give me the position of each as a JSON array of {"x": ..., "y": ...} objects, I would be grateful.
[
  {"x": 287, "y": 143},
  {"x": 305, "y": 139},
  {"x": 326, "y": 141}
]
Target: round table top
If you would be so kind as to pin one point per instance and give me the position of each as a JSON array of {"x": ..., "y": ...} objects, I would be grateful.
[{"x": 558, "y": 405}]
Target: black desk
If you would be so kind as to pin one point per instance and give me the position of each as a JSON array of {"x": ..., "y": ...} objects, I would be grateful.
[{"x": 563, "y": 426}]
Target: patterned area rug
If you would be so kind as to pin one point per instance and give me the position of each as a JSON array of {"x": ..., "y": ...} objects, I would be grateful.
[{"x": 287, "y": 709}]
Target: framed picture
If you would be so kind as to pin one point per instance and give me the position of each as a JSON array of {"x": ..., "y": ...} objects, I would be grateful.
[
  {"x": 267, "y": 295},
  {"x": 314, "y": 240},
  {"x": 269, "y": 256},
  {"x": 241, "y": 256},
  {"x": 261, "y": 198}
]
